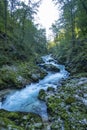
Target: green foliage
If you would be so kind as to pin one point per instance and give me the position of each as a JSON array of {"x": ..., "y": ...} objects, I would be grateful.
[
  {"x": 73, "y": 19},
  {"x": 70, "y": 31},
  {"x": 21, "y": 42},
  {"x": 17, "y": 29}
]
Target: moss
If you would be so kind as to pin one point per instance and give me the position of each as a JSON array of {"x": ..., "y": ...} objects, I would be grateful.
[
  {"x": 67, "y": 105},
  {"x": 42, "y": 95},
  {"x": 8, "y": 124},
  {"x": 53, "y": 104},
  {"x": 42, "y": 74},
  {"x": 50, "y": 67},
  {"x": 50, "y": 89},
  {"x": 64, "y": 115},
  {"x": 4, "y": 60},
  {"x": 20, "y": 121},
  {"x": 79, "y": 75},
  {"x": 67, "y": 125},
  {"x": 70, "y": 100},
  {"x": 55, "y": 126},
  {"x": 20, "y": 75}
]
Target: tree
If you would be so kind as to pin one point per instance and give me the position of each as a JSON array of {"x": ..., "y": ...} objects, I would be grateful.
[
  {"x": 5, "y": 19},
  {"x": 1, "y": 16},
  {"x": 17, "y": 23}
]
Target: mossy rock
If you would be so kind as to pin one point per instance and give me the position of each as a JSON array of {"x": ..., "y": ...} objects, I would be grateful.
[
  {"x": 55, "y": 126},
  {"x": 68, "y": 106},
  {"x": 20, "y": 121},
  {"x": 39, "y": 60},
  {"x": 20, "y": 75},
  {"x": 64, "y": 115},
  {"x": 53, "y": 105},
  {"x": 51, "y": 67},
  {"x": 42, "y": 74},
  {"x": 42, "y": 95},
  {"x": 70, "y": 100},
  {"x": 50, "y": 89}
]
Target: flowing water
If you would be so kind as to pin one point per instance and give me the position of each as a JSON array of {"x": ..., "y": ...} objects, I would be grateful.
[{"x": 26, "y": 100}]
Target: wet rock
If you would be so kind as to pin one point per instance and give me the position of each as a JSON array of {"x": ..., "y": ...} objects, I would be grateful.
[
  {"x": 3, "y": 93},
  {"x": 35, "y": 77},
  {"x": 42, "y": 95},
  {"x": 50, "y": 67},
  {"x": 39, "y": 75},
  {"x": 38, "y": 125},
  {"x": 50, "y": 89}
]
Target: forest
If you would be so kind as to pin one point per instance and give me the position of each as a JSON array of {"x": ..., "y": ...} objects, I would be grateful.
[
  {"x": 23, "y": 47},
  {"x": 70, "y": 42}
]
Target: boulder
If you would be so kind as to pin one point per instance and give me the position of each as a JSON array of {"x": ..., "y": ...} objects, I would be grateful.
[
  {"x": 35, "y": 77},
  {"x": 51, "y": 67},
  {"x": 50, "y": 89},
  {"x": 42, "y": 95}
]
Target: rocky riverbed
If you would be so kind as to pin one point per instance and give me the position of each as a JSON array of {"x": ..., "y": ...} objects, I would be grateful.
[{"x": 66, "y": 107}]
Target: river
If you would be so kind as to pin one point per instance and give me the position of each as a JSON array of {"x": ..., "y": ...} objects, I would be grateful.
[{"x": 26, "y": 100}]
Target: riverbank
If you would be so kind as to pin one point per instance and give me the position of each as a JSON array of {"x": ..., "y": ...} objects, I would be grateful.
[
  {"x": 67, "y": 107},
  {"x": 17, "y": 76}
]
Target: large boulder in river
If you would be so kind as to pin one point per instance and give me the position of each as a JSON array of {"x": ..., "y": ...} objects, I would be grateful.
[
  {"x": 35, "y": 77},
  {"x": 42, "y": 95},
  {"x": 39, "y": 75},
  {"x": 51, "y": 67}
]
